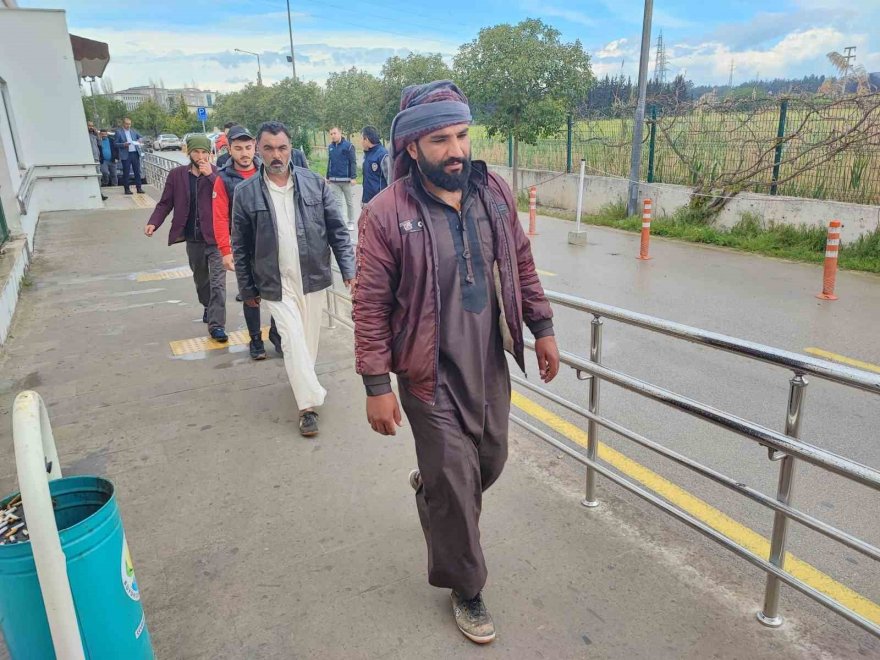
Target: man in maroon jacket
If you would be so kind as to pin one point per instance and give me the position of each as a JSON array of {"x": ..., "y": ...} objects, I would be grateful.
[
  {"x": 445, "y": 280},
  {"x": 188, "y": 192}
]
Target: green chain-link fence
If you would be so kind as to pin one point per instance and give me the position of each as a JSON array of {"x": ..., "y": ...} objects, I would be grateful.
[{"x": 800, "y": 147}]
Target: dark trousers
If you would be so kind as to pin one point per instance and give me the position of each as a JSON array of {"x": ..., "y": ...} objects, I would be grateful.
[
  {"x": 132, "y": 163},
  {"x": 252, "y": 320},
  {"x": 456, "y": 469},
  {"x": 210, "y": 280}
]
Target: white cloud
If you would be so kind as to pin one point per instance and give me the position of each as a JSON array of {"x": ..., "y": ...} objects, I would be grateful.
[
  {"x": 615, "y": 50},
  {"x": 179, "y": 57},
  {"x": 792, "y": 55}
]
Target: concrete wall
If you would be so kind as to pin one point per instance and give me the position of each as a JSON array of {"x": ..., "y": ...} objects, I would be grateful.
[
  {"x": 36, "y": 62},
  {"x": 13, "y": 265},
  {"x": 560, "y": 191}
]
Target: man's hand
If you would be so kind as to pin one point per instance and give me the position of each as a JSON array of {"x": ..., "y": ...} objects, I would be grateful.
[
  {"x": 548, "y": 357},
  {"x": 354, "y": 181},
  {"x": 253, "y": 302},
  {"x": 383, "y": 413},
  {"x": 348, "y": 284},
  {"x": 150, "y": 229},
  {"x": 205, "y": 168},
  {"x": 228, "y": 262}
]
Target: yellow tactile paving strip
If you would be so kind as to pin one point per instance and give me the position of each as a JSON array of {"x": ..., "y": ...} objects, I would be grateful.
[
  {"x": 202, "y": 344},
  {"x": 143, "y": 200},
  {"x": 172, "y": 274}
]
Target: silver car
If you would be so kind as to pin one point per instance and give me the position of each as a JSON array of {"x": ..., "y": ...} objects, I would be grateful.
[{"x": 167, "y": 141}]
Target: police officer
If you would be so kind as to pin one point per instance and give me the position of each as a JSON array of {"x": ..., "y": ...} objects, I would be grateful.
[{"x": 377, "y": 164}]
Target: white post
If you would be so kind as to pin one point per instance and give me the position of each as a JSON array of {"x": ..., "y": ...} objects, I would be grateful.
[
  {"x": 34, "y": 451},
  {"x": 579, "y": 237}
]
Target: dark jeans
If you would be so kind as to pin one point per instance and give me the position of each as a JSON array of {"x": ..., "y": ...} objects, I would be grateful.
[
  {"x": 252, "y": 319},
  {"x": 210, "y": 280},
  {"x": 133, "y": 162}
]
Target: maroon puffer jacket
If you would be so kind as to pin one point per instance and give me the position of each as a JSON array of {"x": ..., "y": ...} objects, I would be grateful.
[{"x": 396, "y": 296}]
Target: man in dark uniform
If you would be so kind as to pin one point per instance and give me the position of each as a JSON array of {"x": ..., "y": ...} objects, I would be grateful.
[
  {"x": 445, "y": 280},
  {"x": 377, "y": 164}
]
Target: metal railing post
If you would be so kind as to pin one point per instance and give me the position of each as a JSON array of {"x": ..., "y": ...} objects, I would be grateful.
[
  {"x": 568, "y": 140},
  {"x": 592, "y": 426},
  {"x": 780, "y": 138},
  {"x": 769, "y": 616}
]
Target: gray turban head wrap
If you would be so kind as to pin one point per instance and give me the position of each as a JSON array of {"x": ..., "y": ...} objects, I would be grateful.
[{"x": 425, "y": 109}]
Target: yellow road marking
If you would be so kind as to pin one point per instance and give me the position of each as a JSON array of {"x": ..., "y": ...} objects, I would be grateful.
[
  {"x": 545, "y": 272},
  {"x": 172, "y": 274},
  {"x": 696, "y": 507},
  {"x": 852, "y": 362},
  {"x": 202, "y": 344}
]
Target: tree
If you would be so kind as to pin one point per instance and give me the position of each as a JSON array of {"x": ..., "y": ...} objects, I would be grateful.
[
  {"x": 150, "y": 117},
  {"x": 298, "y": 104},
  {"x": 249, "y": 107},
  {"x": 398, "y": 72},
  {"x": 181, "y": 119},
  {"x": 352, "y": 100},
  {"x": 525, "y": 80},
  {"x": 105, "y": 112}
]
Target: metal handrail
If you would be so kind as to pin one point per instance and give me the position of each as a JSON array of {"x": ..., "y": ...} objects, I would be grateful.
[
  {"x": 156, "y": 169},
  {"x": 779, "y": 441},
  {"x": 26, "y": 188},
  {"x": 787, "y": 444},
  {"x": 801, "y": 364}
]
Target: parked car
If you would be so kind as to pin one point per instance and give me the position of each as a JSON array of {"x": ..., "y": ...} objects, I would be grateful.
[{"x": 167, "y": 141}]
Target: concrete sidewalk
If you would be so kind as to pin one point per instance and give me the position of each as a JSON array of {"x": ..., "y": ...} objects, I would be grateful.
[{"x": 251, "y": 542}]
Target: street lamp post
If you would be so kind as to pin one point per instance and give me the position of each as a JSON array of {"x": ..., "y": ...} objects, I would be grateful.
[
  {"x": 259, "y": 68},
  {"x": 290, "y": 32},
  {"x": 639, "y": 120}
]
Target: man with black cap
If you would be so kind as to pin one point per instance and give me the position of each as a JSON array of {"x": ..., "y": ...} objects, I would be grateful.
[
  {"x": 188, "y": 193},
  {"x": 241, "y": 166},
  {"x": 445, "y": 281}
]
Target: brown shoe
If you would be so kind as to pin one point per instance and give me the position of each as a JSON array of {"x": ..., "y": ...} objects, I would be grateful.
[{"x": 473, "y": 619}]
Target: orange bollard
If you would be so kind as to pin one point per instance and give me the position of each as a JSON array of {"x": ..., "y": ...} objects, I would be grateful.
[
  {"x": 829, "y": 276},
  {"x": 533, "y": 211},
  {"x": 646, "y": 231}
]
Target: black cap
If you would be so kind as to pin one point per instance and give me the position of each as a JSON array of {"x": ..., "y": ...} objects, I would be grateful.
[{"x": 239, "y": 133}]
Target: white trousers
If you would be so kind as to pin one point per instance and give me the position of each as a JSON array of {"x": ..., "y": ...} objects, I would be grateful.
[{"x": 298, "y": 318}]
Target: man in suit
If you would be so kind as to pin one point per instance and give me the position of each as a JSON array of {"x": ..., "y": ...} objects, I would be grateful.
[{"x": 128, "y": 148}]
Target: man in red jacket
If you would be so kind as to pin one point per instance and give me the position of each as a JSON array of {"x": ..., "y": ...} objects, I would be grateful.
[
  {"x": 240, "y": 167},
  {"x": 445, "y": 280}
]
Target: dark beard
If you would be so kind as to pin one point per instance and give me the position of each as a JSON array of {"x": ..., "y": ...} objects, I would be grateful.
[{"x": 436, "y": 175}]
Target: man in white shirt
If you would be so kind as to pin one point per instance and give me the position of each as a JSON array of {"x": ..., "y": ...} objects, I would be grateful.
[
  {"x": 128, "y": 146},
  {"x": 285, "y": 222}
]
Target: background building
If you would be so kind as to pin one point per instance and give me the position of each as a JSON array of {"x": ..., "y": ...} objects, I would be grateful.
[{"x": 167, "y": 98}]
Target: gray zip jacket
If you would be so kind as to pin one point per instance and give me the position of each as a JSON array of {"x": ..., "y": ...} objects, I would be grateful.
[{"x": 319, "y": 228}]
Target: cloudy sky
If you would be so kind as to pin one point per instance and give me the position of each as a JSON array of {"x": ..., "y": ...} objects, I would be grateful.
[{"x": 186, "y": 41}]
